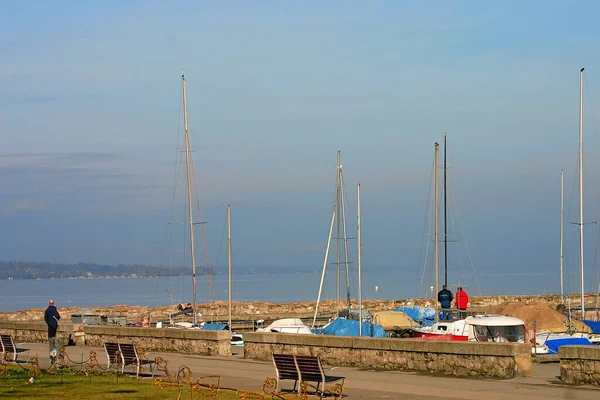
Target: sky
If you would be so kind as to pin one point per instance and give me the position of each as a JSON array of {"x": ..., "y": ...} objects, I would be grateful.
[{"x": 90, "y": 121}]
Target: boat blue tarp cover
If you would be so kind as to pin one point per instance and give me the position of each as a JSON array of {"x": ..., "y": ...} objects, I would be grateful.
[
  {"x": 214, "y": 327},
  {"x": 554, "y": 344},
  {"x": 348, "y": 327},
  {"x": 423, "y": 315},
  {"x": 595, "y": 325}
]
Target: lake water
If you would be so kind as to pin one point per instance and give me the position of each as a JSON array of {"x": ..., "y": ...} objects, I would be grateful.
[{"x": 391, "y": 283}]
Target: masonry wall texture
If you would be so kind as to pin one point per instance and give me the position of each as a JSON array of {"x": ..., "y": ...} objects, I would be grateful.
[
  {"x": 498, "y": 360},
  {"x": 210, "y": 343},
  {"x": 580, "y": 364},
  {"x": 153, "y": 339},
  {"x": 37, "y": 332}
]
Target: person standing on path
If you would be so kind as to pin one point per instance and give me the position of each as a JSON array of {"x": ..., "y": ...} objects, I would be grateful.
[
  {"x": 462, "y": 300},
  {"x": 445, "y": 298},
  {"x": 51, "y": 316}
]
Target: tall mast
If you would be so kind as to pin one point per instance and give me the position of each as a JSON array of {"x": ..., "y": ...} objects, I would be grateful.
[
  {"x": 338, "y": 202},
  {"x": 581, "y": 190},
  {"x": 359, "y": 242},
  {"x": 229, "y": 259},
  {"x": 324, "y": 267},
  {"x": 188, "y": 163},
  {"x": 345, "y": 237},
  {"x": 562, "y": 224},
  {"x": 436, "y": 228},
  {"x": 445, "y": 216}
]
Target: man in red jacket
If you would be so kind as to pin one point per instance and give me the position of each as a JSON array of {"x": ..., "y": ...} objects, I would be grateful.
[{"x": 461, "y": 299}]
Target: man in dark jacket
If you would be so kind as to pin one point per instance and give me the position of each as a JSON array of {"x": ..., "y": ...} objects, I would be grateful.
[
  {"x": 445, "y": 298},
  {"x": 51, "y": 316}
]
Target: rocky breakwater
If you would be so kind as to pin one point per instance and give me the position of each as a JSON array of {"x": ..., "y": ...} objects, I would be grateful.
[{"x": 218, "y": 310}]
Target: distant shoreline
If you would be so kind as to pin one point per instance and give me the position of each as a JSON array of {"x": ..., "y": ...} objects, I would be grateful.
[
  {"x": 157, "y": 276},
  {"x": 21, "y": 270}
]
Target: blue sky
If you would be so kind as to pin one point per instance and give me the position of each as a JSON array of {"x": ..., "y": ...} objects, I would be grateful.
[{"x": 89, "y": 115}]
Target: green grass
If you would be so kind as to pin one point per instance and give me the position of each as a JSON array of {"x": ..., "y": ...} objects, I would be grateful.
[{"x": 71, "y": 385}]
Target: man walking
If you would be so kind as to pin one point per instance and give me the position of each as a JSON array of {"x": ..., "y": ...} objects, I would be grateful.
[
  {"x": 445, "y": 298},
  {"x": 51, "y": 316}
]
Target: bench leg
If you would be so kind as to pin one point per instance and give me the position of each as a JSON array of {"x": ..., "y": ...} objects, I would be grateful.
[{"x": 27, "y": 354}]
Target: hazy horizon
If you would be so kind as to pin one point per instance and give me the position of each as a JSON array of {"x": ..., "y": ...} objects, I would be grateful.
[{"x": 91, "y": 118}]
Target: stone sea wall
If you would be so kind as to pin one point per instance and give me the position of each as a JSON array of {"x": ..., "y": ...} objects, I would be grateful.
[
  {"x": 169, "y": 340},
  {"x": 209, "y": 343},
  {"x": 580, "y": 364},
  {"x": 497, "y": 360},
  {"x": 37, "y": 332}
]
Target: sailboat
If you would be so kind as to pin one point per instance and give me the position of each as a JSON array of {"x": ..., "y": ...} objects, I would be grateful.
[
  {"x": 549, "y": 342},
  {"x": 567, "y": 338},
  {"x": 349, "y": 322},
  {"x": 338, "y": 216},
  {"x": 190, "y": 308},
  {"x": 464, "y": 329}
]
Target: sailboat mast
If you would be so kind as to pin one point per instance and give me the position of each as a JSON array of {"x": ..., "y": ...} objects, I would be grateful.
[
  {"x": 562, "y": 224},
  {"x": 581, "y": 191},
  {"x": 338, "y": 202},
  {"x": 229, "y": 259},
  {"x": 445, "y": 216},
  {"x": 359, "y": 242},
  {"x": 436, "y": 228},
  {"x": 345, "y": 238},
  {"x": 189, "y": 197},
  {"x": 324, "y": 268}
]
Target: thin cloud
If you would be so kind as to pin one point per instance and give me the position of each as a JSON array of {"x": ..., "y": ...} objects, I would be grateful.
[
  {"x": 82, "y": 181},
  {"x": 24, "y": 205},
  {"x": 30, "y": 99}
]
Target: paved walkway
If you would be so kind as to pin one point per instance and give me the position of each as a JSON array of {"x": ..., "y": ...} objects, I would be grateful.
[{"x": 239, "y": 373}]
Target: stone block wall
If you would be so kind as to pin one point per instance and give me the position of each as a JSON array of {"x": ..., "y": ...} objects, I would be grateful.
[
  {"x": 37, "y": 332},
  {"x": 580, "y": 364},
  {"x": 153, "y": 339},
  {"x": 498, "y": 360},
  {"x": 210, "y": 343}
]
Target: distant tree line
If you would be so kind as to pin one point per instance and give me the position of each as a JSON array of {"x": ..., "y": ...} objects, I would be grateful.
[{"x": 48, "y": 270}]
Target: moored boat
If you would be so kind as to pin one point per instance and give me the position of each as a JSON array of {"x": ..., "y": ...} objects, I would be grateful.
[
  {"x": 443, "y": 330},
  {"x": 480, "y": 328},
  {"x": 287, "y": 325}
]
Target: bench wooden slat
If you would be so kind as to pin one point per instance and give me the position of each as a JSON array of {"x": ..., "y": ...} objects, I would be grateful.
[
  {"x": 305, "y": 368},
  {"x": 311, "y": 370},
  {"x": 285, "y": 367},
  {"x": 112, "y": 349},
  {"x": 127, "y": 355}
]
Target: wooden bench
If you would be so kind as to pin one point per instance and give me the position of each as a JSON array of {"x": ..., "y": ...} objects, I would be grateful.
[
  {"x": 124, "y": 354},
  {"x": 285, "y": 368},
  {"x": 10, "y": 352},
  {"x": 113, "y": 354},
  {"x": 310, "y": 369},
  {"x": 303, "y": 368}
]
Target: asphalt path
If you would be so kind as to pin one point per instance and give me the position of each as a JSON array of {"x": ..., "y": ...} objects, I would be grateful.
[{"x": 242, "y": 374}]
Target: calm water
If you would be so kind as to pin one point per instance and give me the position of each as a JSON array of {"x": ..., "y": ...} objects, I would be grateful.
[{"x": 391, "y": 284}]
